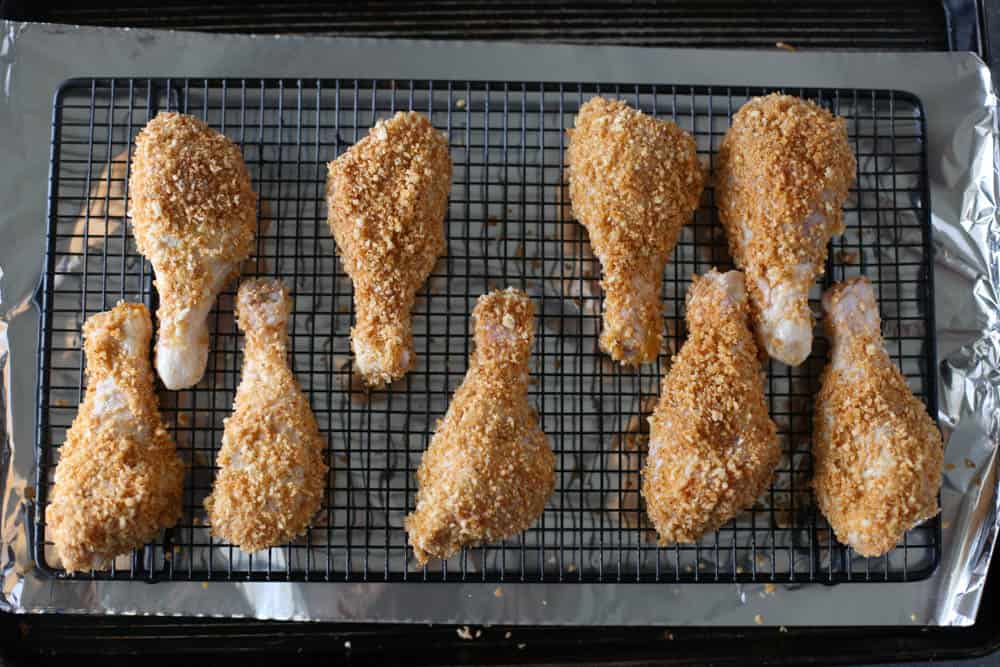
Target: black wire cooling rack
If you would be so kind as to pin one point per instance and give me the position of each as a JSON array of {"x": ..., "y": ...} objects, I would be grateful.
[{"x": 508, "y": 224}]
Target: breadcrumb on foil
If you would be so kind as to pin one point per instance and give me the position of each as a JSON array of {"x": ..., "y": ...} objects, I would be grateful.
[
  {"x": 119, "y": 479},
  {"x": 489, "y": 469},
  {"x": 634, "y": 182},
  {"x": 387, "y": 198}
]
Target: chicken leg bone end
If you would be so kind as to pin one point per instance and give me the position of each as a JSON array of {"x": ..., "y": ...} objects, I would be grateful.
[
  {"x": 785, "y": 322},
  {"x": 383, "y": 352},
  {"x": 181, "y": 359},
  {"x": 633, "y": 317}
]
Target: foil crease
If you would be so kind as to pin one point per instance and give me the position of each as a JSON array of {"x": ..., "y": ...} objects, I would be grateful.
[{"x": 962, "y": 151}]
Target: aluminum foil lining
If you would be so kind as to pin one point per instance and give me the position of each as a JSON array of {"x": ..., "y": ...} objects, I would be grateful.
[{"x": 961, "y": 124}]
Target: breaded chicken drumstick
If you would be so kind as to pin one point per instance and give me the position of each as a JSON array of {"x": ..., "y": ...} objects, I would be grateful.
[
  {"x": 782, "y": 175},
  {"x": 194, "y": 215},
  {"x": 119, "y": 479},
  {"x": 387, "y": 199},
  {"x": 634, "y": 181},
  {"x": 271, "y": 469},
  {"x": 489, "y": 470},
  {"x": 712, "y": 445},
  {"x": 877, "y": 453}
]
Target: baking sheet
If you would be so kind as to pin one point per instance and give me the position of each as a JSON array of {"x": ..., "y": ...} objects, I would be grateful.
[
  {"x": 518, "y": 231},
  {"x": 960, "y": 106}
]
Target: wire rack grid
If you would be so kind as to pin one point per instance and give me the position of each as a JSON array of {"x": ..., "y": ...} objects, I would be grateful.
[{"x": 508, "y": 223}]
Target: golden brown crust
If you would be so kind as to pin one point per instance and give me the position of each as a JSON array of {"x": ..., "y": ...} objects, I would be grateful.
[
  {"x": 877, "y": 453},
  {"x": 387, "y": 199},
  {"x": 119, "y": 479},
  {"x": 271, "y": 470},
  {"x": 489, "y": 469},
  {"x": 634, "y": 182},
  {"x": 192, "y": 205},
  {"x": 713, "y": 446},
  {"x": 783, "y": 159}
]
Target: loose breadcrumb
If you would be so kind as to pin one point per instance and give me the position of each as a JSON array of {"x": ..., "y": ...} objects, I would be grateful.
[
  {"x": 634, "y": 181},
  {"x": 119, "y": 479},
  {"x": 271, "y": 470},
  {"x": 876, "y": 451},
  {"x": 848, "y": 256},
  {"x": 489, "y": 469},
  {"x": 713, "y": 447},
  {"x": 387, "y": 199}
]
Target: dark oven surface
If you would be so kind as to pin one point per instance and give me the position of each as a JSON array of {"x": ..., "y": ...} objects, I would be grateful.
[{"x": 857, "y": 24}]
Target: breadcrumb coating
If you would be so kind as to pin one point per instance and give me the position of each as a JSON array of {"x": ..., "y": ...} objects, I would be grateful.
[
  {"x": 271, "y": 470},
  {"x": 713, "y": 447},
  {"x": 782, "y": 175},
  {"x": 387, "y": 199},
  {"x": 489, "y": 469},
  {"x": 634, "y": 181},
  {"x": 119, "y": 479},
  {"x": 876, "y": 451},
  {"x": 194, "y": 214}
]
